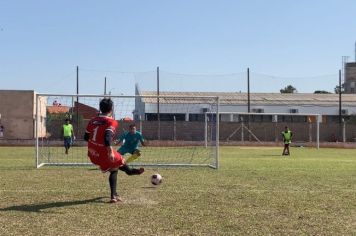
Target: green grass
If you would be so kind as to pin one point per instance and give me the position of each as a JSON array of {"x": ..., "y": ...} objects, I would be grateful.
[{"x": 255, "y": 192}]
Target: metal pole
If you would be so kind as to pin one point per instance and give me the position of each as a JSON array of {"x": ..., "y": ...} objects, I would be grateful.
[
  {"x": 248, "y": 101},
  {"x": 340, "y": 105},
  {"x": 105, "y": 86},
  {"x": 318, "y": 131},
  {"x": 217, "y": 133},
  {"x": 343, "y": 131},
  {"x": 174, "y": 128},
  {"x": 206, "y": 130},
  {"x": 141, "y": 124},
  {"x": 77, "y": 108},
  {"x": 248, "y": 90},
  {"x": 158, "y": 113},
  {"x": 36, "y": 130},
  {"x": 242, "y": 129},
  {"x": 77, "y": 83}
]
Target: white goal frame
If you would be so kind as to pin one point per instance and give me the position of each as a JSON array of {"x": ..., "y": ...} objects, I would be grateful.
[
  {"x": 215, "y": 144},
  {"x": 317, "y": 120}
]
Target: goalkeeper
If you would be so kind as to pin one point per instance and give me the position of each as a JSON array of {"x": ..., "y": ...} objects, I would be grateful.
[{"x": 130, "y": 141}]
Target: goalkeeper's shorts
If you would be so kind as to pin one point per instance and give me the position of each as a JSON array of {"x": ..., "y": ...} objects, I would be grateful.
[{"x": 123, "y": 150}]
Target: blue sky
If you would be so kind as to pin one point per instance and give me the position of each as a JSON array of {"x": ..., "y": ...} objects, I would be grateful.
[{"x": 198, "y": 45}]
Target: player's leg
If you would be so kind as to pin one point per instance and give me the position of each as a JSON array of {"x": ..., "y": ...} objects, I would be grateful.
[
  {"x": 288, "y": 153},
  {"x": 69, "y": 144},
  {"x": 284, "y": 150},
  {"x": 131, "y": 171},
  {"x": 135, "y": 154},
  {"x": 113, "y": 167},
  {"x": 113, "y": 182},
  {"x": 66, "y": 144},
  {"x": 122, "y": 150}
]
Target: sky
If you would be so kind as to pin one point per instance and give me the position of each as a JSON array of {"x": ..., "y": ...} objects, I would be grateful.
[{"x": 197, "y": 45}]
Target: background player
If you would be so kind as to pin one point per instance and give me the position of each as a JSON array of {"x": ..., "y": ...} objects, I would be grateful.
[
  {"x": 287, "y": 140},
  {"x": 99, "y": 135},
  {"x": 68, "y": 135}
]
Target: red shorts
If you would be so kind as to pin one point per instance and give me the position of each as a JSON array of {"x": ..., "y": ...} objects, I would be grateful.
[{"x": 105, "y": 163}]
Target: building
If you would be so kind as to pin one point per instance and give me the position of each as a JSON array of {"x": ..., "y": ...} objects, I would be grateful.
[
  {"x": 350, "y": 78},
  {"x": 326, "y": 105},
  {"x": 79, "y": 115},
  {"x": 18, "y": 115},
  {"x": 184, "y": 112},
  {"x": 18, "y": 110}
]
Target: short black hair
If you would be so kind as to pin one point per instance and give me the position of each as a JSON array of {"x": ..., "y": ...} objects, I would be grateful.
[
  {"x": 66, "y": 119},
  {"x": 132, "y": 125},
  {"x": 106, "y": 105}
]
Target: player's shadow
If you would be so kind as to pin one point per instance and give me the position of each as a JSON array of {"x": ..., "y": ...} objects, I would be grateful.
[{"x": 38, "y": 208}]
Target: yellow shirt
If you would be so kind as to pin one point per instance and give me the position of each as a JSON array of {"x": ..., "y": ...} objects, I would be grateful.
[{"x": 67, "y": 130}]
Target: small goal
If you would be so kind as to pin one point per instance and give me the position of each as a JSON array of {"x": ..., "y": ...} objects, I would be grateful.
[{"x": 263, "y": 128}]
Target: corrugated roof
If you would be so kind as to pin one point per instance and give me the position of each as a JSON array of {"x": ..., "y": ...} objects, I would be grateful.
[{"x": 227, "y": 98}]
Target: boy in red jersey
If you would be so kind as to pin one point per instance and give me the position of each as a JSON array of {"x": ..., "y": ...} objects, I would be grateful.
[{"x": 99, "y": 135}]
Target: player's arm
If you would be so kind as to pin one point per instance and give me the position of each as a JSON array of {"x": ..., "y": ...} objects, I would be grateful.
[
  {"x": 142, "y": 140},
  {"x": 119, "y": 140},
  {"x": 108, "y": 141},
  {"x": 86, "y": 136}
]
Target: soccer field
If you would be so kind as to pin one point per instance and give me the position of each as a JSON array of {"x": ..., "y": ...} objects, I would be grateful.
[{"x": 255, "y": 191}]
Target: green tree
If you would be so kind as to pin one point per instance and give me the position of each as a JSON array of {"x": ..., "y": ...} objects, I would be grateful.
[
  {"x": 288, "y": 89},
  {"x": 321, "y": 91}
]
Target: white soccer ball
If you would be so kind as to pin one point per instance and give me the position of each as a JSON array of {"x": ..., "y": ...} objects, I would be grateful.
[{"x": 156, "y": 179}]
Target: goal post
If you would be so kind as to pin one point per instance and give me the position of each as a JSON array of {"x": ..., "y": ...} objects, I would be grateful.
[{"x": 174, "y": 128}]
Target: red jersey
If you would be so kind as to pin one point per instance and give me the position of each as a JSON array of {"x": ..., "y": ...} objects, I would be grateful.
[{"x": 97, "y": 151}]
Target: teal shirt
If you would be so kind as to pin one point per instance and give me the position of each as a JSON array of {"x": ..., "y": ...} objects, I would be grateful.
[{"x": 131, "y": 141}]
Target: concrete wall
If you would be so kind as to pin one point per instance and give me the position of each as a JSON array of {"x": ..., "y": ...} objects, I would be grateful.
[
  {"x": 18, "y": 113},
  {"x": 231, "y": 131}
]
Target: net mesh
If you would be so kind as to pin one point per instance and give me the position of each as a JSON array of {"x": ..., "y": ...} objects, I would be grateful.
[{"x": 181, "y": 136}]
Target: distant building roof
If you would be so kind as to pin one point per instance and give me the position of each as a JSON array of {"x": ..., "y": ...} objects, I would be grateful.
[
  {"x": 57, "y": 109},
  {"x": 227, "y": 98},
  {"x": 86, "y": 111}
]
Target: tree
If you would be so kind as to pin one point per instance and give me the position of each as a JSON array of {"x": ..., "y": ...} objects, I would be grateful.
[
  {"x": 288, "y": 89},
  {"x": 321, "y": 91}
]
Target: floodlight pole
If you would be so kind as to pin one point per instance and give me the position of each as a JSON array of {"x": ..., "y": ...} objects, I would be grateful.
[
  {"x": 248, "y": 90},
  {"x": 158, "y": 113},
  {"x": 36, "y": 130},
  {"x": 318, "y": 120},
  {"x": 340, "y": 118},
  {"x": 77, "y": 83},
  {"x": 248, "y": 101},
  {"x": 77, "y": 108},
  {"x": 206, "y": 129},
  {"x": 105, "y": 85}
]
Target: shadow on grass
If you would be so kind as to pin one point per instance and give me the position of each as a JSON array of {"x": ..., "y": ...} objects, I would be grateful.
[
  {"x": 39, "y": 207},
  {"x": 271, "y": 155}
]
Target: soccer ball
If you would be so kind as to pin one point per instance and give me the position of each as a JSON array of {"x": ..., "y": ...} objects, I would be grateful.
[{"x": 156, "y": 179}]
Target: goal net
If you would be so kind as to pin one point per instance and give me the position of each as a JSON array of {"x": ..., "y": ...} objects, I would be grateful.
[
  {"x": 264, "y": 128},
  {"x": 177, "y": 130}
]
